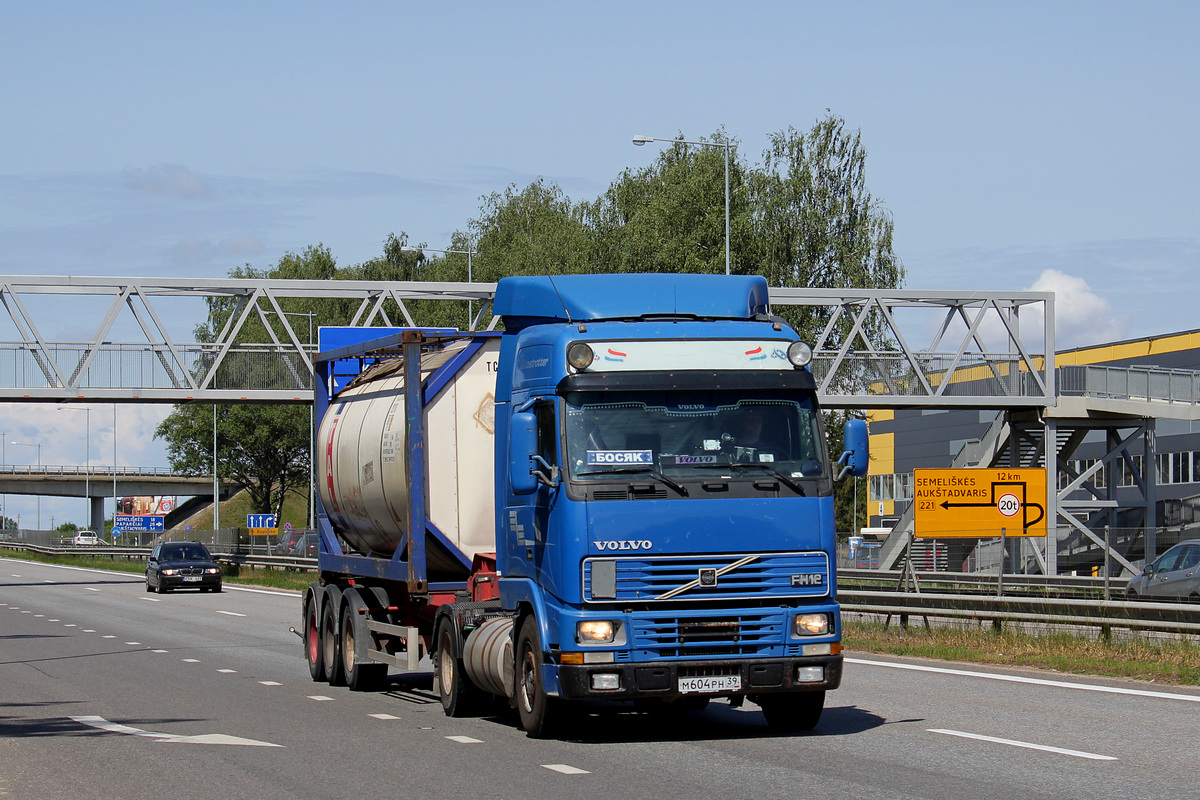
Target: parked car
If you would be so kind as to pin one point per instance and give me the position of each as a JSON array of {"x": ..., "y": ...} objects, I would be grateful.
[
  {"x": 1175, "y": 575},
  {"x": 307, "y": 546},
  {"x": 182, "y": 565},
  {"x": 85, "y": 539},
  {"x": 287, "y": 542}
]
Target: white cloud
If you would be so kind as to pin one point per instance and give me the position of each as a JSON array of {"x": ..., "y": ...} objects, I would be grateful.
[
  {"x": 1081, "y": 317},
  {"x": 169, "y": 179}
]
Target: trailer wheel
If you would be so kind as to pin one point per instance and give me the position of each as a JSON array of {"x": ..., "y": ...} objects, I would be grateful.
[
  {"x": 800, "y": 711},
  {"x": 460, "y": 698},
  {"x": 329, "y": 642},
  {"x": 539, "y": 713},
  {"x": 361, "y": 676},
  {"x": 313, "y": 652}
]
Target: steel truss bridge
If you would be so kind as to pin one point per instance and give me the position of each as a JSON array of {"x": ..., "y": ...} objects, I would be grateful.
[{"x": 135, "y": 340}]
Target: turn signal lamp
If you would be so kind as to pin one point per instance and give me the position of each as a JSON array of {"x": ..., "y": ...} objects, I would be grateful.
[
  {"x": 580, "y": 356},
  {"x": 799, "y": 353}
]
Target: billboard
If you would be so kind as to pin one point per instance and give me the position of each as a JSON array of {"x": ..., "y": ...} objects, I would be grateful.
[{"x": 146, "y": 505}]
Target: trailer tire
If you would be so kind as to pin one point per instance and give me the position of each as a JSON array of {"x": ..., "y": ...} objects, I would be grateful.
[
  {"x": 330, "y": 644},
  {"x": 313, "y": 651},
  {"x": 460, "y": 698},
  {"x": 361, "y": 676},
  {"x": 539, "y": 713},
  {"x": 798, "y": 711}
]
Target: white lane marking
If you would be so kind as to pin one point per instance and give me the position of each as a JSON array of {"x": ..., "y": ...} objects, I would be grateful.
[
  {"x": 1086, "y": 687},
  {"x": 47, "y": 580},
  {"x": 70, "y": 625},
  {"x": 271, "y": 683},
  {"x": 318, "y": 697},
  {"x": 133, "y": 644},
  {"x": 1026, "y": 745},
  {"x": 383, "y": 716},
  {"x": 38, "y": 616},
  {"x": 464, "y": 740},
  {"x": 108, "y": 637},
  {"x": 229, "y": 588},
  {"x": 152, "y": 599},
  {"x": 208, "y": 738},
  {"x": 90, "y": 589},
  {"x": 231, "y": 613},
  {"x": 565, "y": 769},
  {"x": 54, "y": 620},
  {"x": 191, "y": 660},
  {"x": 227, "y": 671},
  {"x": 89, "y": 630},
  {"x": 159, "y": 651},
  {"x": 26, "y": 612},
  {"x": 16, "y": 575}
]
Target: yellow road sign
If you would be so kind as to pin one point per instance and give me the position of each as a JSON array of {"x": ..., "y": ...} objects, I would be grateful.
[
  {"x": 978, "y": 503},
  {"x": 264, "y": 531}
]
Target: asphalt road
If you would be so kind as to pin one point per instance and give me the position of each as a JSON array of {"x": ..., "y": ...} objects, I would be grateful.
[{"x": 106, "y": 691}]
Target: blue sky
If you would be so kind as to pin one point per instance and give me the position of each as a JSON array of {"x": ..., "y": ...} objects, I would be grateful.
[{"x": 1017, "y": 144}]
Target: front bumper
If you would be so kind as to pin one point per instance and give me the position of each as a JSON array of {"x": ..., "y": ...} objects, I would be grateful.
[
  {"x": 180, "y": 582},
  {"x": 660, "y": 679}
]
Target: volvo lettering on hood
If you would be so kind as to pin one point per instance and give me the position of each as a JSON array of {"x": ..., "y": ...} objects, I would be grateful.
[{"x": 635, "y": 544}]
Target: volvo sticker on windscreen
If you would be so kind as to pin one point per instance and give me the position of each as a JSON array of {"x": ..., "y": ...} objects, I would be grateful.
[{"x": 597, "y": 458}]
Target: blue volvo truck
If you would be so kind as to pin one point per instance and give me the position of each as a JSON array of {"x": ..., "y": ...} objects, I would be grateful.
[{"x": 626, "y": 495}]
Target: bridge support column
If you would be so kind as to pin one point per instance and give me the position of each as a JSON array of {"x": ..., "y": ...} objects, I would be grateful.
[{"x": 96, "y": 515}]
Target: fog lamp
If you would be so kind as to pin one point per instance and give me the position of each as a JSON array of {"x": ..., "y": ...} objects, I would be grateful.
[
  {"x": 580, "y": 356},
  {"x": 810, "y": 674},
  {"x": 799, "y": 353},
  {"x": 606, "y": 681},
  {"x": 595, "y": 631},
  {"x": 810, "y": 624}
]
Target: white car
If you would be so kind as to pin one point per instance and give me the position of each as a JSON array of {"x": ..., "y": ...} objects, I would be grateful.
[{"x": 85, "y": 539}]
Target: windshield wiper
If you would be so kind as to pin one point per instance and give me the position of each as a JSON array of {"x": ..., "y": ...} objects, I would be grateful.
[
  {"x": 763, "y": 465},
  {"x": 679, "y": 487}
]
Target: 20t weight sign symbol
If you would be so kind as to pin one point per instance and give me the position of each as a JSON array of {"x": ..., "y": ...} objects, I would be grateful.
[{"x": 1008, "y": 505}]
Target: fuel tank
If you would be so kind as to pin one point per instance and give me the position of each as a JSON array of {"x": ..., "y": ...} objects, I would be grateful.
[{"x": 362, "y": 452}]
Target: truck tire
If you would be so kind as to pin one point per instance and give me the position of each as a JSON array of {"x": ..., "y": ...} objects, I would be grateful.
[
  {"x": 798, "y": 711},
  {"x": 330, "y": 649},
  {"x": 460, "y": 698},
  {"x": 539, "y": 714},
  {"x": 313, "y": 651},
  {"x": 361, "y": 676}
]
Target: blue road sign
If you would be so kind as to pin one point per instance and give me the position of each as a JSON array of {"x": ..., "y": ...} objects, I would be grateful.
[
  {"x": 260, "y": 521},
  {"x": 132, "y": 523}
]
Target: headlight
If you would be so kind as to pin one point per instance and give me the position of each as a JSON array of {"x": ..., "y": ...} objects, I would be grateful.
[
  {"x": 169, "y": 571},
  {"x": 213, "y": 571},
  {"x": 594, "y": 631},
  {"x": 580, "y": 356},
  {"x": 810, "y": 624},
  {"x": 799, "y": 353}
]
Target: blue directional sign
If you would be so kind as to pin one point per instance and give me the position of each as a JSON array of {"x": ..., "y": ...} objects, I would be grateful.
[
  {"x": 132, "y": 523},
  {"x": 260, "y": 521}
]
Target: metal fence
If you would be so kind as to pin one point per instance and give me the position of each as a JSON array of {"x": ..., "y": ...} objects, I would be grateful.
[{"x": 1147, "y": 384}]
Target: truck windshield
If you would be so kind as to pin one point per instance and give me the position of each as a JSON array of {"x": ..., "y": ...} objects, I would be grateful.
[{"x": 685, "y": 434}]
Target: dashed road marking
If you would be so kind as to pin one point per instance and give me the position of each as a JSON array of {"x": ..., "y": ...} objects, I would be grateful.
[
  {"x": 1026, "y": 745},
  {"x": 89, "y": 630},
  {"x": 91, "y": 589},
  {"x": 190, "y": 660},
  {"x": 38, "y": 616},
  {"x": 271, "y": 683},
  {"x": 26, "y": 612},
  {"x": 227, "y": 671},
  {"x": 465, "y": 740},
  {"x": 152, "y": 599},
  {"x": 133, "y": 644},
  {"x": 53, "y": 620},
  {"x": 231, "y": 613},
  {"x": 160, "y": 651},
  {"x": 70, "y": 625},
  {"x": 565, "y": 769},
  {"x": 108, "y": 637},
  {"x": 383, "y": 716},
  {"x": 47, "y": 580},
  {"x": 318, "y": 697}
]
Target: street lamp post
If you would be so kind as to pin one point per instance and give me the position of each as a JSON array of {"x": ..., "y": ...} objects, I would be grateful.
[
  {"x": 87, "y": 461},
  {"x": 726, "y": 146},
  {"x": 38, "y": 445},
  {"x": 469, "y": 253}
]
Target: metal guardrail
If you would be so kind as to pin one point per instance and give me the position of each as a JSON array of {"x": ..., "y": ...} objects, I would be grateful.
[
  {"x": 94, "y": 471},
  {"x": 260, "y": 561},
  {"x": 1148, "y": 384},
  {"x": 982, "y": 581}
]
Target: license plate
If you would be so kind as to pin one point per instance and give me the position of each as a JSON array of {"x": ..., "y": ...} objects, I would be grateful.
[
  {"x": 710, "y": 684},
  {"x": 191, "y": 578}
]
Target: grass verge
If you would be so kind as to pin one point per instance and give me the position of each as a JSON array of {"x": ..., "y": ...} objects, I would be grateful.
[
  {"x": 1131, "y": 655},
  {"x": 243, "y": 576}
]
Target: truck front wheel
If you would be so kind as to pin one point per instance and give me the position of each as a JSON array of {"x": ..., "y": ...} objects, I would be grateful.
[
  {"x": 800, "y": 711},
  {"x": 538, "y": 712},
  {"x": 313, "y": 652}
]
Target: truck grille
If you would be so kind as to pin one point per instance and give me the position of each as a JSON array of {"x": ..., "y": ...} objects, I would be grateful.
[
  {"x": 708, "y": 636},
  {"x": 768, "y": 575}
]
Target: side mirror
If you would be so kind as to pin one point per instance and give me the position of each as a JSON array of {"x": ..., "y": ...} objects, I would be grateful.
[
  {"x": 522, "y": 446},
  {"x": 856, "y": 458}
]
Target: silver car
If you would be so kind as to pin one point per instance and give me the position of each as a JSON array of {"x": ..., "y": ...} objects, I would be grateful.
[{"x": 1174, "y": 575}]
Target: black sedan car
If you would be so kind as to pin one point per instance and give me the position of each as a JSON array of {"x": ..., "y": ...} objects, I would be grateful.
[{"x": 182, "y": 565}]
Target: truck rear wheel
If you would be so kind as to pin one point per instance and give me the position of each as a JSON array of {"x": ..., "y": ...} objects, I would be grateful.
[
  {"x": 539, "y": 713},
  {"x": 459, "y": 696},
  {"x": 313, "y": 652},
  {"x": 799, "y": 711},
  {"x": 361, "y": 676},
  {"x": 329, "y": 641}
]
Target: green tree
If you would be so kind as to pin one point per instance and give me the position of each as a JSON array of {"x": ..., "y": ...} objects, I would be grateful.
[{"x": 261, "y": 447}]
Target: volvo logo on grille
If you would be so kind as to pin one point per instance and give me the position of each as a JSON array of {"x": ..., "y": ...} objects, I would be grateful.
[
  {"x": 808, "y": 579},
  {"x": 708, "y": 577}
]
